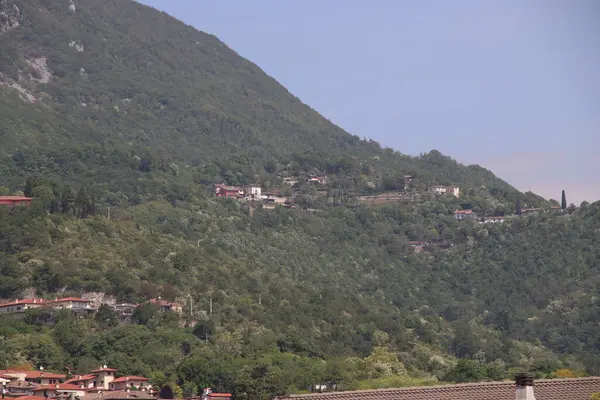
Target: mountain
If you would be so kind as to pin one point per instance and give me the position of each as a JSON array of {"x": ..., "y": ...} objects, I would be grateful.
[{"x": 117, "y": 119}]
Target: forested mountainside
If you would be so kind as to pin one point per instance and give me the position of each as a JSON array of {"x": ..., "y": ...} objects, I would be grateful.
[{"x": 117, "y": 119}]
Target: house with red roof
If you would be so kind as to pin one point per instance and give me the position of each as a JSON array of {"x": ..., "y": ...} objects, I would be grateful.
[
  {"x": 69, "y": 303},
  {"x": 20, "y": 305},
  {"x": 166, "y": 306},
  {"x": 228, "y": 191},
  {"x": 58, "y": 389},
  {"x": 130, "y": 382},
  {"x": 104, "y": 377},
  {"x": 15, "y": 201},
  {"x": 83, "y": 381}
]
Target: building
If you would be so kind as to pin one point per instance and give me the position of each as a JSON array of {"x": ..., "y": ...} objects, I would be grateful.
[
  {"x": 253, "y": 192},
  {"x": 165, "y": 306},
  {"x": 69, "y": 303},
  {"x": 15, "y": 200},
  {"x": 493, "y": 220},
  {"x": 19, "y": 306},
  {"x": 103, "y": 377},
  {"x": 228, "y": 191},
  {"x": 123, "y": 310},
  {"x": 321, "y": 180},
  {"x": 530, "y": 211},
  {"x": 210, "y": 395},
  {"x": 521, "y": 389},
  {"x": 130, "y": 382},
  {"x": 453, "y": 190},
  {"x": 464, "y": 214},
  {"x": 58, "y": 390},
  {"x": 438, "y": 189},
  {"x": 119, "y": 395},
  {"x": 32, "y": 378},
  {"x": 83, "y": 381}
]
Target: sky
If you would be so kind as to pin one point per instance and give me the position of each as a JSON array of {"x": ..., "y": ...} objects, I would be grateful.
[{"x": 512, "y": 85}]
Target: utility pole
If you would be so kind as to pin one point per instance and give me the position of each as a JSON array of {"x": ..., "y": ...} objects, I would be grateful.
[
  {"x": 191, "y": 305},
  {"x": 108, "y": 212},
  {"x": 210, "y": 305}
]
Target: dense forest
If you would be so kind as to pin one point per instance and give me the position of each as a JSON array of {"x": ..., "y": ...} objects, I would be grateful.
[{"x": 117, "y": 119}]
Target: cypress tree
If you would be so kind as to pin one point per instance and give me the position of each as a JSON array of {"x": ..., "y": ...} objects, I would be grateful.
[
  {"x": 563, "y": 203},
  {"x": 28, "y": 192},
  {"x": 518, "y": 208}
]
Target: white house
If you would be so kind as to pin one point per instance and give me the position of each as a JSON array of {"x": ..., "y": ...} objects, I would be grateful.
[
  {"x": 439, "y": 189},
  {"x": 464, "y": 214},
  {"x": 19, "y": 306},
  {"x": 254, "y": 192}
]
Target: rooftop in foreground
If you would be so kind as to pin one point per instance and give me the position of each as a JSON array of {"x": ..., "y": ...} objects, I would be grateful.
[{"x": 545, "y": 389}]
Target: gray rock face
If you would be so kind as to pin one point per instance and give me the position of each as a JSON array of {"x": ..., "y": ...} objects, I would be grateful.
[{"x": 9, "y": 16}]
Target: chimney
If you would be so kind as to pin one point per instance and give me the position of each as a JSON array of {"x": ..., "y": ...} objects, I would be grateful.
[{"x": 524, "y": 390}]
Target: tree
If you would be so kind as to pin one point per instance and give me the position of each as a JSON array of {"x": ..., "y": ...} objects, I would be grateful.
[
  {"x": 518, "y": 208},
  {"x": 106, "y": 317},
  {"x": 82, "y": 206},
  {"x": 28, "y": 192},
  {"x": 67, "y": 200},
  {"x": 145, "y": 313},
  {"x": 563, "y": 203}
]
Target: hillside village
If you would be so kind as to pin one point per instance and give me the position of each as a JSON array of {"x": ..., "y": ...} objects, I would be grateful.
[
  {"x": 269, "y": 198},
  {"x": 102, "y": 383},
  {"x": 84, "y": 307}
]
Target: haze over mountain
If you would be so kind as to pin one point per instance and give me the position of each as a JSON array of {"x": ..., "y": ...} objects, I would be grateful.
[{"x": 118, "y": 120}]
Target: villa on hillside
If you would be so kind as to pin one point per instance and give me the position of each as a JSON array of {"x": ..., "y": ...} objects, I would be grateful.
[{"x": 438, "y": 189}]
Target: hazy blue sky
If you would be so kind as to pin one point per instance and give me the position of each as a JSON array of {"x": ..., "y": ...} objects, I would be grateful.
[{"x": 513, "y": 85}]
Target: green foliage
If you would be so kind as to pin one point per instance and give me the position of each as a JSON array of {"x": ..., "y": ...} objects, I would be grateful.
[{"x": 151, "y": 112}]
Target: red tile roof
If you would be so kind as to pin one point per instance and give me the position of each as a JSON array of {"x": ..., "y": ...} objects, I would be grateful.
[
  {"x": 58, "y": 387},
  {"x": 15, "y": 198},
  {"x": 103, "y": 369},
  {"x": 18, "y": 302},
  {"x": 64, "y": 299},
  {"x": 81, "y": 378},
  {"x": 29, "y": 398},
  {"x": 130, "y": 378},
  {"x": 544, "y": 389},
  {"x": 43, "y": 374},
  {"x": 219, "y": 395}
]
